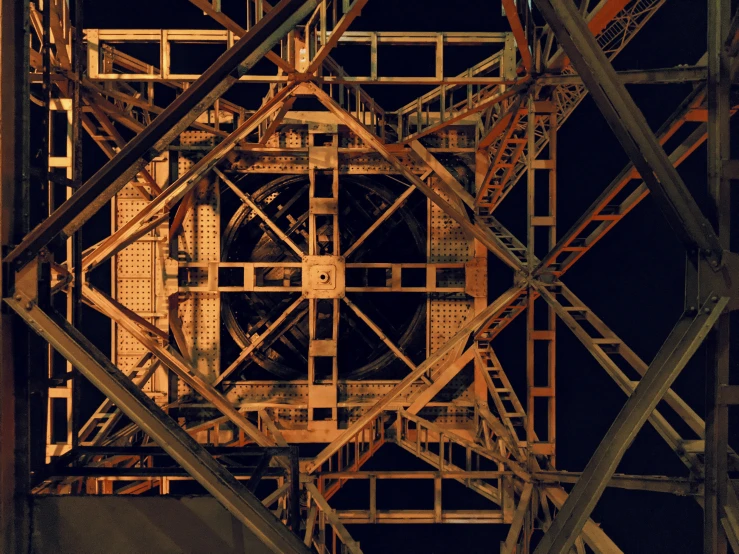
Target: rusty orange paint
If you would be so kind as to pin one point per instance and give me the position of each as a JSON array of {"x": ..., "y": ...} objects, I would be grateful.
[{"x": 518, "y": 32}]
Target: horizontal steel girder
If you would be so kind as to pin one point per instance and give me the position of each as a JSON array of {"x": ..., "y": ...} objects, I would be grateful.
[
  {"x": 132, "y": 158},
  {"x": 193, "y": 457}
]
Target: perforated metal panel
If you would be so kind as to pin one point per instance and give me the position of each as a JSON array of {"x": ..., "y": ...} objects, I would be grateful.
[
  {"x": 289, "y": 137},
  {"x": 138, "y": 279},
  {"x": 288, "y": 401},
  {"x": 200, "y": 138},
  {"x": 447, "y": 244},
  {"x": 200, "y": 241},
  {"x": 363, "y": 163},
  {"x": 459, "y": 137},
  {"x": 284, "y": 164}
]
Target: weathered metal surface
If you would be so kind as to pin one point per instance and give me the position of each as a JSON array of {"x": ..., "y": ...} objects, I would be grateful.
[
  {"x": 308, "y": 288},
  {"x": 15, "y": 436},
  {"x": 140, "y": 278}
]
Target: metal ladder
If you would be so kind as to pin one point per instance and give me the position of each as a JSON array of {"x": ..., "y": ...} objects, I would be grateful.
[{"x": 507, "y": 405}]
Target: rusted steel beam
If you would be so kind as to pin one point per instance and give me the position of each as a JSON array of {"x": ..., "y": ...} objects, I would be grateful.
[
  {"x": 503, "y": 124},
  {"x": 716, "y": 509},
  {"x": 254, "y": 344},
  {"x": 680, "y": 74},
  {"x": 599, "y": 351},
  {"x": 441, "y": 380},
  {"x": 592, "y": 533},
  {"x": 176, "y": 364},
  {"x": 15, "y": 527},
  {"x": 679, "y": 486},
  {"x": 380, "y": 220},
  {"x": 598, "y": 19},
  {"x": 137, "y": 226},
  {"x": 351, "y": 545},
  {"x": 601, "y": 210},
  {"x": 518, "y": 520},
  {"x": 238, "y": 30},
  {"x": 450, "y": 182}
]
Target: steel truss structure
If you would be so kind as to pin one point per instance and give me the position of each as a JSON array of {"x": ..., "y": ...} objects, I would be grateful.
[{"x": 255, "y": 302}]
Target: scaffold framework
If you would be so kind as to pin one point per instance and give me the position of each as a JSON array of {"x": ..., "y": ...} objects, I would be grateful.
[{"x": 290, "y": 285}]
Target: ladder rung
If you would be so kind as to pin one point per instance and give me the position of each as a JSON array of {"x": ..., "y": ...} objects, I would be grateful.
[{"x": 607, "y": 340}]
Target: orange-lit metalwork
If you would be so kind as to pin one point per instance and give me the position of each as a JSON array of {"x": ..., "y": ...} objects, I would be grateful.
[{"x": 256, "y": 303}]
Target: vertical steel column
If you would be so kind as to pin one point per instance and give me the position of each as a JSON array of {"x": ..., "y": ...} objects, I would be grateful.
[
  {"x": 14, "y": 169},
  {"x": 479, "y": 273},
  {"x": 324, "y": 205},
  {"x": 78, "y": 56},
  {"x": 59, "y": 162},
  {"x": 38, "y": 209},
  {"x": 294, "y": 491},
  {"x": 142, "y": 411},
  {"x": 717, "y": 374},
  {"x": 541, "y": 332},
  {"x": 45, "y": 204}
]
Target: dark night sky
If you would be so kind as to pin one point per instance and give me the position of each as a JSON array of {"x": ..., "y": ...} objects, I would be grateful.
[{"x": 633, "y": 279}]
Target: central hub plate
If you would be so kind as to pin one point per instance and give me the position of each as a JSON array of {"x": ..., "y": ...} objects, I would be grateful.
[{"x": 323, "y": 277}]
